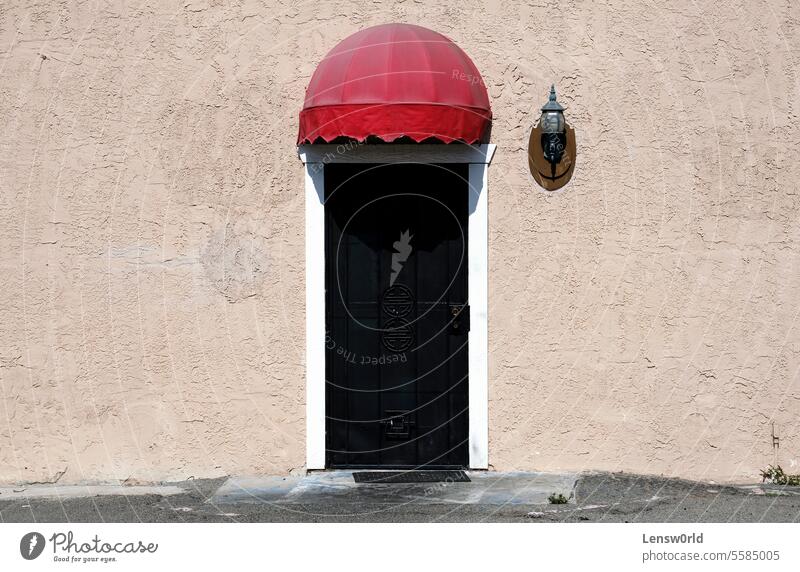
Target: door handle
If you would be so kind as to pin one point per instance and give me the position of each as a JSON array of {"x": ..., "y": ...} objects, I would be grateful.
[
  {"x": 459, "y": 318},
  {"x": 397, "y": 425}
]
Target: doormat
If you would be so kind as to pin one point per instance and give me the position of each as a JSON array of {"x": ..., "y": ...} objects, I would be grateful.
[{"x": 398, "y": 477}]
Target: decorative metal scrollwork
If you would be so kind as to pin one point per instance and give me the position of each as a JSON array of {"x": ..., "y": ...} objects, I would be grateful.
[{"x": 398, "y": 334}]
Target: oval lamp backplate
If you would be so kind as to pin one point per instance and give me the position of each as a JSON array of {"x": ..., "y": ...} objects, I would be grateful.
[{"x": 549, "y": 177}]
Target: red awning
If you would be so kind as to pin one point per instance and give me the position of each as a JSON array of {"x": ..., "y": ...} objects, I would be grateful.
[{"x": 392, "y": 81}]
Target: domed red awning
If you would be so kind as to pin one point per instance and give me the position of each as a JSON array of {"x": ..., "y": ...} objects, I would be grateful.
[{"x": 392, "y": 81}]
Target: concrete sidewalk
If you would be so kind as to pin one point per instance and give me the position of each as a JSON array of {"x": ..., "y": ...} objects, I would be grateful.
[
  {"x": 52, "y": 491},
  {"x": 335, "y": 497},
  {"x": 485, "y": 488}
]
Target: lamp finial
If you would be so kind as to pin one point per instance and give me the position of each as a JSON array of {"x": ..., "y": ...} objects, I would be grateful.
[{"x": 552, "y": 104}]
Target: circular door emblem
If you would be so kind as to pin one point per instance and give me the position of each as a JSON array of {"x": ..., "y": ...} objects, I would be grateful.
[
  {"x": 397, "y": 335},
  {"x": 397, "y": 301}
]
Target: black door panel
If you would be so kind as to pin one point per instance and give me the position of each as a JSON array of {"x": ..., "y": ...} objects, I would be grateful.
[{"x": 396, "y": 360}]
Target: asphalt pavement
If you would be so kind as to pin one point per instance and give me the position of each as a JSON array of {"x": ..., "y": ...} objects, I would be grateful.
[{"x": 490, "y": 497}]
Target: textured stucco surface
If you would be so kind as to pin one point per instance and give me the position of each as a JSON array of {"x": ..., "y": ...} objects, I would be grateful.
[{"x": 151, "y": 234}]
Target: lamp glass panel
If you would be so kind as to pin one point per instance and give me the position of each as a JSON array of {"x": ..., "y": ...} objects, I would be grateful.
[{"x": 552, "y": 122}]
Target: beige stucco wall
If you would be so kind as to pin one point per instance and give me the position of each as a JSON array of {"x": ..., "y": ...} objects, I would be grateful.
[{"x": 151, "y": 234}]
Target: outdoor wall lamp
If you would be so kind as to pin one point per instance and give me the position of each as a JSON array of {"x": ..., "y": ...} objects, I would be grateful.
[
  {"x": 551, "y": 147},
  {"x": 554, "y": 133}
]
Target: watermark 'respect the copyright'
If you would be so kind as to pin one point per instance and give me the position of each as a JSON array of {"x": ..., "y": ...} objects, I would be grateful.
[{"x": 472, "y": 78}]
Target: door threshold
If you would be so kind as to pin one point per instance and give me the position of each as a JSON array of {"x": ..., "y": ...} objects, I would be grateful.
[
  {"x": 396, "y": 468},
  {"x": 410, "y": 477}
]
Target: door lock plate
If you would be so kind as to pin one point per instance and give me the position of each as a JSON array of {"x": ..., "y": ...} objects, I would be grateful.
[{"x": 459, "y": 318}]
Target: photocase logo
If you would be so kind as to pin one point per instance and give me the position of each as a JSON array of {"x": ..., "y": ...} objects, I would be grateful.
[
  {"x": 31, "y": 545},
  {"x": 402, "y": 249}
]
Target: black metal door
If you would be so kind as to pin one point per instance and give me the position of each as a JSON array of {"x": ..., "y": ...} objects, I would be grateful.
[{"x": 396, "y": 315}]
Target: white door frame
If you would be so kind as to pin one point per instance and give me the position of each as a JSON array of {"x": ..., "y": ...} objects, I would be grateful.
[{"x": 315, "y": 157}]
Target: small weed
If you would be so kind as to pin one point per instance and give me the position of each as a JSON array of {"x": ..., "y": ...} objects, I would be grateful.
[
  {"x": 557, "y": 499},
  {"x": 776, "y": 476}
]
